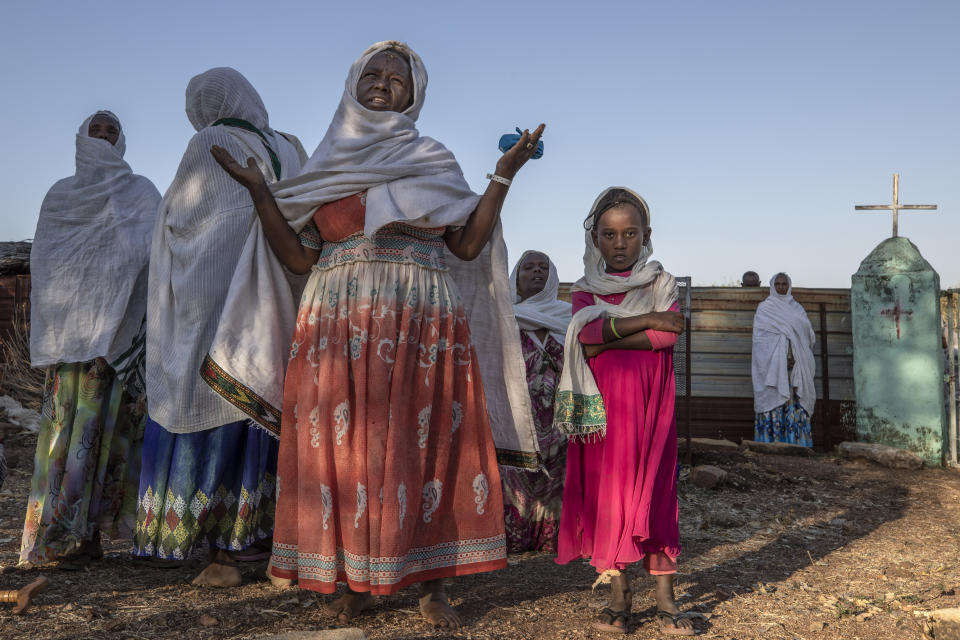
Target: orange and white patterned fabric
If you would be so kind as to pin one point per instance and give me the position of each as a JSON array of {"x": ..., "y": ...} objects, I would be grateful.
[{"x": 387, "y": 470}]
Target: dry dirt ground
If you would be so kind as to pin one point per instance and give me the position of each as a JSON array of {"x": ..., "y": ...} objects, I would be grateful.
[{"x": 794, "y": 548}]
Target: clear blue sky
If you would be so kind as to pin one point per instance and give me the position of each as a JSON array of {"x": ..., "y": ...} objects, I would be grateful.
[{"x": 752, "y": 128}]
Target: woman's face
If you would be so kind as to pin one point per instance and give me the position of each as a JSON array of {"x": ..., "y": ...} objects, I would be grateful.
[
  {"x": 385, "y": 83},
  {"x": 104, "y": 127},
  {"x": 620, "y": 235},
  {"x": 532, "y": 275},
  {"x": 781, "y": 285}
]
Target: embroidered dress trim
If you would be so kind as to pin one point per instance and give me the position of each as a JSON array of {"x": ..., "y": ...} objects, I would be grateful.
[
  {"x": 397, "y": 243},
  {"x": 387, "y": 575},
  {"x": 261, "y": 411},
  {"x": 579, "y": 415},
  {"x": 521, "y": 459}
]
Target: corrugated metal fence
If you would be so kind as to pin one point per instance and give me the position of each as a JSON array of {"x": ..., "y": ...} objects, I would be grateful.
[{"x": 715, "y": 392}]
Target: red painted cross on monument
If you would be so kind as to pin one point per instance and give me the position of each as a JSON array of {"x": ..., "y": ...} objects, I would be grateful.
[
  {"x": 896, "y": 206},
  {"x": 896, "y": 312}
]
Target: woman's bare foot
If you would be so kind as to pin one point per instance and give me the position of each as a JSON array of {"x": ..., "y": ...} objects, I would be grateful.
[
  {"x": 280, "y": 583},
  {"x": 435, "y": 607},
  {"x": 221, "y": 572},
  {"x": 350, "y": 605},
  {"x": 667, "y": 611}
]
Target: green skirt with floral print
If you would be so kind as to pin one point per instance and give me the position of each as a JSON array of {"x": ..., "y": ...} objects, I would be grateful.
[{"x": 87, "y": 466}]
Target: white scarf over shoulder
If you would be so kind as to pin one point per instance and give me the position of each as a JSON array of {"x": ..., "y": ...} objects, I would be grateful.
[
  {"x": 579, "y": 409},
  {"x": 542, "y": 310},
  {"x": 89, "y": 257},
  {"x": 408, "y": 178},
  {"x": 206, "y": 240},
  {"x": 781, "y": 323}
]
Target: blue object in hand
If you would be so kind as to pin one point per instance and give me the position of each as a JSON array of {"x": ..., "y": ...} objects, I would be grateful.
[{"x": 508, "y": 140}]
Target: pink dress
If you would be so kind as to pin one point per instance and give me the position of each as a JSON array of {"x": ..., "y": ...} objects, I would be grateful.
[{"x": 620, "y": 499}]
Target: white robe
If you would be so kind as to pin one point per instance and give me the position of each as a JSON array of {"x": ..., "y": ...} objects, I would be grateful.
[
  {"x": 88, "y": 261},
  {"x": 204, "y": 233},
  {"x": 781, "y": 323}
]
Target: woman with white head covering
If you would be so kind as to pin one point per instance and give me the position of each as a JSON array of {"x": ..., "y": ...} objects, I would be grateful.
[
  {"x": 532, "y": 499},
  {"x": 209, "y": 473},
  {"x": 89, "y": 284},
  {"x": 784, "y": 367},
  {"x": 388, "y": 468}
]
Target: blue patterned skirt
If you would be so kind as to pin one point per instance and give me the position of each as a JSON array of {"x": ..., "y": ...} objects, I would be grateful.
[
  {"x": 216, "y": 486},
  {"x": 787, "y": 423}
]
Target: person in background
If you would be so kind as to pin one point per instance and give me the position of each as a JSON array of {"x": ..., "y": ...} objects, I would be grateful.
[
  {"x": 88, "y": 269},
  {"x": 532, "y": 499},
  {"x": 783, "y": 367},
  {"x": 750, "y": 279}
]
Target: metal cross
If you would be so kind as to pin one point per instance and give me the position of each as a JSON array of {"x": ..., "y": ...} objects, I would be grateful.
[{"x": 896, "y": 206}]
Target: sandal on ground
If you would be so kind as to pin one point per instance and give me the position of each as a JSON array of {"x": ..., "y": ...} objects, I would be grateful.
[
  {"x": 673, "y": 619},
  {"x": 612, "y": 627}
]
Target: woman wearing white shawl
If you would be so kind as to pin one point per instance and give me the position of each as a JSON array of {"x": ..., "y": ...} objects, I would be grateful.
[
  {"x": 89, "y": 280},
  {"x": 200, "y": 448},
  {"x": 532, "y": 499},
  {"x": 383, "y": 408},
  {"x": 783, "y": 368}
]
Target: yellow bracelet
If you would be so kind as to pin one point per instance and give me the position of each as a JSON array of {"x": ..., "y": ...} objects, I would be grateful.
[{"x": 613, "y": 327}]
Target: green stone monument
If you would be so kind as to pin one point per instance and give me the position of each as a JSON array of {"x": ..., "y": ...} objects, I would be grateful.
[{"x": 897, "y": 351}]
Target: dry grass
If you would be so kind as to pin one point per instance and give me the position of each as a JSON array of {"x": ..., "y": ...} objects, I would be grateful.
[{"x": 18, "y": 379}]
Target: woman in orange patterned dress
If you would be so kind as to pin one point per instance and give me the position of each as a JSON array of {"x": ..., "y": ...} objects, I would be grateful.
[{"x": 387, "y": 470}]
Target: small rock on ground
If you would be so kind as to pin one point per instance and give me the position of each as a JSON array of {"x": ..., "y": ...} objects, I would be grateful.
[
  {"x": 707, "y": 476},
  {"x": 890, "y": 457},
  {"x": 777, "y": 448},
  {"x": 709, "y": 444},
  {"x": 946, "y": 624},
  {"x": 348, "y": 633}
]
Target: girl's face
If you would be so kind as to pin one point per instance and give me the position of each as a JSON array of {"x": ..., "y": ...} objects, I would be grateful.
[
  {"x": 532, "y": 275},
  {"x": 621, "y": 234}
]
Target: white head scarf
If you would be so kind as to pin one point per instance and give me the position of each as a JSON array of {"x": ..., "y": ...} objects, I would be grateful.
[
  {"x": 212, "y": 274},
  {"x": 408, "y": 177},
  {"x": 579, "y": 409},
  {"x": 89, "y": 257},
  {"x": 542, "y": 310},
  {"x": 223, "y": 92},
  {"x": 782, "y": 322}
]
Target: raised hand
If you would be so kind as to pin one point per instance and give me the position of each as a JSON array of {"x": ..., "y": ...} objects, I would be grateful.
[
  {"x": 518, "y": 154},
  {"x": 249, "y": 176}
]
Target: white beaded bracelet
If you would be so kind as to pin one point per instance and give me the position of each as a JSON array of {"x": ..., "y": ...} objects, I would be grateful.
[{"x": 500, "y": 179}]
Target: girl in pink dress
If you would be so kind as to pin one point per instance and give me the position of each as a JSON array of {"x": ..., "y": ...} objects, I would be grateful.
[{"x": 616, "y": 401}]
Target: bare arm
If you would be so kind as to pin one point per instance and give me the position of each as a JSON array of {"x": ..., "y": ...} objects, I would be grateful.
[
  {"x": 467, "y": 242},
  {"x": 283, "y": 240},
  {"x": 635, "y": 342},
  {"x": 671, "y": 321}
]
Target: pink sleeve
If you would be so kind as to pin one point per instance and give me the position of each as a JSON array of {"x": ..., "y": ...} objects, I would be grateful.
[
  {"x": 663, "y": 339},
  {"x": 592, "y": 333}
]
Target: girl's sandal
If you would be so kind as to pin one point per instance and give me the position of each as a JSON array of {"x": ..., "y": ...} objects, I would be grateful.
[
  {"x": 614, "y": 616},
  {"x": 674, "y": 629}
]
